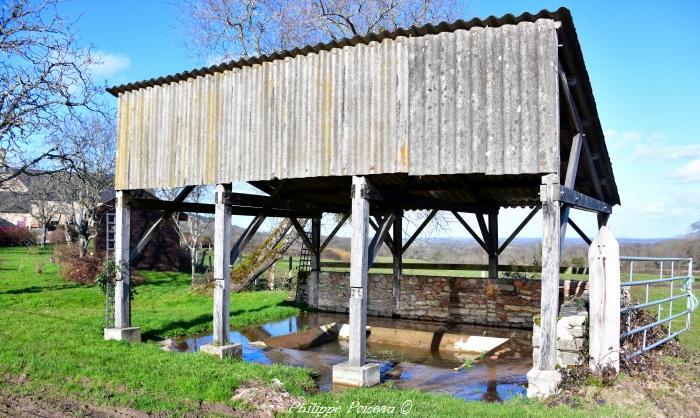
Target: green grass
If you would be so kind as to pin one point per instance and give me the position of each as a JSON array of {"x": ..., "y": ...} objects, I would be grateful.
[
  {"x": 690, "y": 338},
  {"x": 52, "y": 334}
]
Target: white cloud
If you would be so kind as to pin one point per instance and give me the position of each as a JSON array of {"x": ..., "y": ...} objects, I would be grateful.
[
  {"x": 667, "y": 152},
  {"x": 631, "y": 136},
  {"x": 109, "y": 64},
  {"x": 610, "y": 134},
  {"x": 688, "y": 173}
]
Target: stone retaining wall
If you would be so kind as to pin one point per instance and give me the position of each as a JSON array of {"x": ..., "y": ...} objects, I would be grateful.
[
  {"x": 572, "y": 338},
  {"x": 499, "y": 302}
]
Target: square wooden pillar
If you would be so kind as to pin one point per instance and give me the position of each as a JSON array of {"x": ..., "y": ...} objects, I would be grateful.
[
  {"x": 543, "y": 381},
  {"x": 222, "y": 278},
  {"x": 493, "y": 245},
  {"x": 355, "y": 372},
  {"x": 122, "y": 288}
]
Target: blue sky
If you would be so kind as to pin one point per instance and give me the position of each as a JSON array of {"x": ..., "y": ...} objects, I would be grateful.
[{"x": 642, "y": 57}]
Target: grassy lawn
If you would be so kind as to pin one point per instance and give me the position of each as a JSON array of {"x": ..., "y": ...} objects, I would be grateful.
[{"x": 51, "y": 346}]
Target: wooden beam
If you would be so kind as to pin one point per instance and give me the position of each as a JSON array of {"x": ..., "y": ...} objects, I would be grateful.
[
  {"x": 222, "y": 267},
  {"x": 379, "y": 238},
  {"x": 579, "y": 231},
  {"x": 387, "y": 239},
  {"x": 470, "y": 230},
  {"x": 150, "y": 233},
  {"x": 581, "y": 201},
  {"x": 359, "y": 261},
  {"x": 569, "y": 99},
  {"x": 484, "y": 230},
  {"x": 419, "y": 230},
  {"x": 397, "y": 260},
  {"x": 334, "y": 231},
  {"x": 122, "y": 241},
  {"x": 302, "y": 234},
  {"x": 518, "y": 229},
  {"x": 592, "y": 171},
  {"x": 315, "y": 261},
  {"x": 493, "y": 245},
  {"x": 455, "y": 267},
  {"x": 551, "y": 257},
  {"x": 245, "y": 237},
  {"x": 570, "y": 181},
  {"x": 275, "y": 202}
]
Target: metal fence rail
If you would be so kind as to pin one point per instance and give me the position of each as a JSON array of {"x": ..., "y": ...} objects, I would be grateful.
[{"x": 663, "y": 281}]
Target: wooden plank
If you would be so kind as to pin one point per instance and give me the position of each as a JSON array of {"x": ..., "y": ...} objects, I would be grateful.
[
  {"x": 193, "y": 207},
  {"x": 122, "y": 241},
  {"x": 551, "y": 255},
  {"x": 222, "y": 266},
  {"x": 150, "y": 233},
  {"x": 274, "y": 202},
  {"x": 379, "y": 238},
  {"x": 334, "y": 231},
  {"x": 245, "y": 237},
  {"x": 470, "y": 230},
  {"x": 397, "y": 260},
  {"x": 581, "y": 201},
  {"x": 604, "y": 294},
  {"x": 315, "y": 261},
  {"x": 359, "y": 261},
  {"x": 518, "y": 229},
  {"x": 302, "y": 234},
  {"x": 579, "y": 231},
  {"x": 419, "y": 230}
]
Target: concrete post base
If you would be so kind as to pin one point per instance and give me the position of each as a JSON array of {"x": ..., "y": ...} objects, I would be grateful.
[
  {"x": 221, "y": 351},
  {"x": 130, "y": 334},
  {"x": 345, "y": 374},
  {"x": 542, "y": 383}
]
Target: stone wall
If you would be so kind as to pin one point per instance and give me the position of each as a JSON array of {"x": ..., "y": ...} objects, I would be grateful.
[
  {"x": 571, "y": 335},
  {"x": 500, "y": 302}
]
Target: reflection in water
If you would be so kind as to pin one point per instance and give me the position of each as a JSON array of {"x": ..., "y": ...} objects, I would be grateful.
[{"x": 499, "y": 376}]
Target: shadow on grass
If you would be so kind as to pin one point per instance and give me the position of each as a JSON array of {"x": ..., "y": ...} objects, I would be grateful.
[
  {"x": 202, "y": 320},
  {"x": 37, "y": 289}
]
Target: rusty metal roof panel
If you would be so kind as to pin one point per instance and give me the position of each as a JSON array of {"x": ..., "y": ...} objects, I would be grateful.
[{"x": 483, "y": 100}]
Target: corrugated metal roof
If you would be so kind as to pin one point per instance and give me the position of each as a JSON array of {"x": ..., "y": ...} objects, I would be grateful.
[{"x": 151, "y": 162}]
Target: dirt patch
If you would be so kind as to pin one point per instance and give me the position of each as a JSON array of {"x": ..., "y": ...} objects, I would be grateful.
[
  {"x": 660, "y": 383},
  {"x": 265, "y": 400}
]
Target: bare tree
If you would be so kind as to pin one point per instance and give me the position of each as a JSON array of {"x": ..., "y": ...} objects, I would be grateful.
[
  {"x": 192, "y": 228},
  {"x": 230, "y": 29},
  {"x": 46, "y": 206},
  {"x": 90, "y": 142},
  {"x": 44, "y": 83}
]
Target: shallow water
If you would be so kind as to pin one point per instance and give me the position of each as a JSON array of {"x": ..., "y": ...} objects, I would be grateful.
[{"x": 498, "y": 377}]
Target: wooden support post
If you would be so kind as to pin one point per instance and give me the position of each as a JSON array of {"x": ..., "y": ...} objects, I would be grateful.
[
  {"x": 359, "y": 259},
  {"x": 551, "y": 254},
  {"x": 122, "y": 241},
  {"x": 315, "y": 261},
  {"x": 604, "y": 293},
  {"x": 493, "y": 245},
  {"x": 222, "y": 266},
  {"x": 397, "y": 240}
]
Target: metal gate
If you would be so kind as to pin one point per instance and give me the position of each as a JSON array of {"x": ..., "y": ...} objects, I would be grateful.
[{"x": 661, "y": 286}]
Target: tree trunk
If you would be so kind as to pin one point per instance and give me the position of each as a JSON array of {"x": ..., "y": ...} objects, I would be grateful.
[
  {"x": 274, "y": 247},
  {"x": 83, "y": 248},
  {"x": 193, "y": 264},
  {"x": 44, "y": 233}
]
